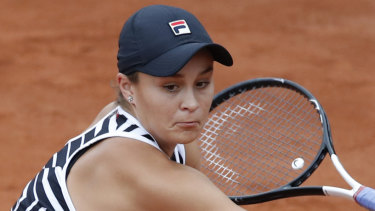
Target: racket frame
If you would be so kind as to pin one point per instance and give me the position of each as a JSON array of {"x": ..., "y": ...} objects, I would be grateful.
[{"x": 292, "y": 189}]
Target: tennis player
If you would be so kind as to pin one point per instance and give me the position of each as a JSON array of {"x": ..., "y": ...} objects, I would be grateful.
[{"x": 140, "y": 153}]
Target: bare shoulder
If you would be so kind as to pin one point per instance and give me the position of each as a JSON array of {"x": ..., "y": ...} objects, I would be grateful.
[
  {"x": 136, "y": 176},
  {"x": 108, "y": 173}
]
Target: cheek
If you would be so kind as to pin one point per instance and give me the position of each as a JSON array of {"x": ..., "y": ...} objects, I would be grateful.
[
  {"x": 206, "y": 101},
  {"x": 153, "y": 107},
  {"x": 209, "y": 95}
]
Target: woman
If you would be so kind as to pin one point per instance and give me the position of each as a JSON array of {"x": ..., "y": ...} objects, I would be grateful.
[{"x": 130, "y": 157}]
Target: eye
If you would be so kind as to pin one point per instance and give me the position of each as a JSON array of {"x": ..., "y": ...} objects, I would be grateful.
[
  {"x": 171, "y": 87},
  {"x": 202, "y": 84}
]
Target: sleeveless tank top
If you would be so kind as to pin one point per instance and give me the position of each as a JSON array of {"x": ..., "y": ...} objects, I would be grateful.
[{"x": 48, "y": 190}]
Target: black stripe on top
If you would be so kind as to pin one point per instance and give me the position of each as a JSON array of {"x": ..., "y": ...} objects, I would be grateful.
[
  {"x": 61, "y": 156},
  {"x": 56, "y": 189},
  {"x": 74, "y": 145},
  {"x": 131, "y": 128},
  {"x": 43, "y": 200},
  {"x": 120, "y": 120},
  {"x": 148, "y": 136},
  {"x": 89, "y": 135},
  {"x": 49, "y": 163},
  {"x": 181, "y": 159},
  {"x": 173, "y": 158},
  {"x": 105, "y": 126},
  {"x": 29, "y": 197}
]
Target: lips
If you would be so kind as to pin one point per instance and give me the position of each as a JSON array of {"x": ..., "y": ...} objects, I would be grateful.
[{"x": 188, "y": 124}]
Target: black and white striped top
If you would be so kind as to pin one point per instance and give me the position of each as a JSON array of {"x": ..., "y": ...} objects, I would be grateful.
[{"x": 48, "y": 190}]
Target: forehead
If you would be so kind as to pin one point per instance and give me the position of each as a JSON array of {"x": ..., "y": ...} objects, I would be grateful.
[{"x": 200, "y": 63}]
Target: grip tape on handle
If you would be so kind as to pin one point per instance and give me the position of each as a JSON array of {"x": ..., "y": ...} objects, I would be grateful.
[{"x": 366, "y": 198}]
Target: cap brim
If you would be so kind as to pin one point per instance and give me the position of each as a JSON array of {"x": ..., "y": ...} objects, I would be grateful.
[{"x": 171, "y": 62}]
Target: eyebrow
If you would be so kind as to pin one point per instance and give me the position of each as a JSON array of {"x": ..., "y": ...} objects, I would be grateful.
[{"x": 207, "y": 70}]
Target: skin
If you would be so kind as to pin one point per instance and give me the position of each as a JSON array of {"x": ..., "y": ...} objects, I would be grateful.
[{"x": 174, "y": 110}]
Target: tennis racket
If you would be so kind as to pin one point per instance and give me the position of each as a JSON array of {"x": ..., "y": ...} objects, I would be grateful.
[{"x": 264, "y": 138}]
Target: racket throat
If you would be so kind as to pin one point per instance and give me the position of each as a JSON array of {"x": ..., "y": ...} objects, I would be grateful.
[
  {"x": 354, "y": 184},
  {"x": 338, "y": 192}
]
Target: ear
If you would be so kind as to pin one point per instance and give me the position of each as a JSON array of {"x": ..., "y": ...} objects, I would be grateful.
[{"x": 125, "y": 85}]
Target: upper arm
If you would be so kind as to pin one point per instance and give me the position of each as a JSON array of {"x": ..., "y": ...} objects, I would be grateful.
[
  {"x": 131, "y": 175},
  {"x": 172, "y": 186},
  {"x": 184, "y": 188}
]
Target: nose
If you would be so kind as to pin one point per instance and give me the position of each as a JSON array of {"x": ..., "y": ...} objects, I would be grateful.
[{"x": 189, "y": 101}]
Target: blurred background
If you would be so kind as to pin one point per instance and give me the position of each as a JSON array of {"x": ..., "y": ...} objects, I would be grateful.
[{"x": 58, "y": 58}]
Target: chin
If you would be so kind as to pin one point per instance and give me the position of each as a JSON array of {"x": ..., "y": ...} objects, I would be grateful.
[{"x": 188, "y": 137}]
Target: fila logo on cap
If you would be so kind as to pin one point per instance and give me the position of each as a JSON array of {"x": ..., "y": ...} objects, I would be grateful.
[{"x": 179, "y": 27}]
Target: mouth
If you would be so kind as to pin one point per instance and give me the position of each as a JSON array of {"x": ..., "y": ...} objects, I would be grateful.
[{"x": 188, "y": 124}]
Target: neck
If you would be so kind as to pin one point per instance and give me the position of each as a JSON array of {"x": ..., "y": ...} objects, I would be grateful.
[{"x": 168, "y": 150}]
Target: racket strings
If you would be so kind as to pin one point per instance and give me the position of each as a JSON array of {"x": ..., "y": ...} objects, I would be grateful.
[
  {"x": 251, "y": 139},
  {"x": 295, "y": 110},
  {"x": 275, "y": 135},
  {"x": 278, "y": 123}
]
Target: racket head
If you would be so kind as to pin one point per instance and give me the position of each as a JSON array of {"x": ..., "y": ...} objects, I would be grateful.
[{"x": 255, "y": 132}]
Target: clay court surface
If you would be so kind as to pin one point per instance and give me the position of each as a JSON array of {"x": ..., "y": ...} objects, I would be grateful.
[{"x": 57, "y": 59}]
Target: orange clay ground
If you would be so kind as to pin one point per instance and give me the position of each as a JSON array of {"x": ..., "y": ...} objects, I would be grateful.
[{"x": 57, "y": 59}]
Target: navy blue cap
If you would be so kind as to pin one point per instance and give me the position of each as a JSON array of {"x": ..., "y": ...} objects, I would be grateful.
[{"x": 159, "y": 40}]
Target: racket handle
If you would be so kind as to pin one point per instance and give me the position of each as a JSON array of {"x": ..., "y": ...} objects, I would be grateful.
[{"x": 366, "y": 197}]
